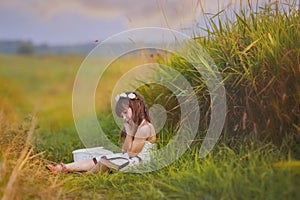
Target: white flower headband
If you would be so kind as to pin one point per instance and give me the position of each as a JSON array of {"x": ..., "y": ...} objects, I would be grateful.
[{"x": 124, "y": 95}]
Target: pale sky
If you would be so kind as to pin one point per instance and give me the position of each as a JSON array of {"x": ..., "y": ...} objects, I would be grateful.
[{"x": 81, "y": 21}]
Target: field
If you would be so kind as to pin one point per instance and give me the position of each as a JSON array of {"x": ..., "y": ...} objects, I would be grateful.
[{"x": 37, "y": 128}]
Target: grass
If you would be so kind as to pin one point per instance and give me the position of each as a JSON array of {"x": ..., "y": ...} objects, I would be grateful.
[
  {"x": 22, "y": 173},
  {"x": 40, "y": 83},
  {"x": 252, "y": 51},
  {"x": 224, "y": 174},
  {"x": 248, "y": 169},
  {"x": 257, "y": 54}
]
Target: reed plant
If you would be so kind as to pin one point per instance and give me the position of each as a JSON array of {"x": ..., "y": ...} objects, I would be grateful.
[{"x": 257, "y": 53}]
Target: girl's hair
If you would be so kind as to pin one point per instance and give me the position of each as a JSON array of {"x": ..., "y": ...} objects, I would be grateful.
[{"x": 138, "y": 107}]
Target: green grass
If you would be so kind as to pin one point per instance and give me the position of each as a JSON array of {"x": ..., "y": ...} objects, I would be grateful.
[
  {"x": 244, "y": 170},
  {"x": 249, "y": 52},
  {"x": 41, "y": 84},
  {"x": 247, "y": 173}
]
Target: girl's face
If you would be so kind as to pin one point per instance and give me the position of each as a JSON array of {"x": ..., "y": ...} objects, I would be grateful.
[{"x": 126, "y": 115}]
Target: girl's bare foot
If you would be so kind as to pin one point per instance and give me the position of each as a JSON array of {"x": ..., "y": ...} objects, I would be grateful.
[{"x": 59, "y": 168}]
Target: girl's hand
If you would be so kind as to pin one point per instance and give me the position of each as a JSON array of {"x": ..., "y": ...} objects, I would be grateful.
[
  {"x": 127, "y": 144},
  {"x": 129, "y": 127}
]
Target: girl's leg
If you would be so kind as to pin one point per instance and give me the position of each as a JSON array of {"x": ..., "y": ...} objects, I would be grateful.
[{"x": 80, "y": 166}]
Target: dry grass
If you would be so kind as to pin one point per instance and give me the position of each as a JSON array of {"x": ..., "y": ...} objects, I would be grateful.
[{"x": 22, "y": 173}]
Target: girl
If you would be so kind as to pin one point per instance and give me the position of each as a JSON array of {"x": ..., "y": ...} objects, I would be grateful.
[{"x": 138, "y": 136}]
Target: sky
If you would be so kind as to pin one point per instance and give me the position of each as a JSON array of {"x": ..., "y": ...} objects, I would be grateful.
[{"x": 56, "y": 22}]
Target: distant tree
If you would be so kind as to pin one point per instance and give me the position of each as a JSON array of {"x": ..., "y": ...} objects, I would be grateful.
[{"x": 26, "y": 48}]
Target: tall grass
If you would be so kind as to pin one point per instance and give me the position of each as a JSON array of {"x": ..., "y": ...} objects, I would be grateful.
[
  {"x": 258, "y": 56},
  {"x": 22, "y": 172}
]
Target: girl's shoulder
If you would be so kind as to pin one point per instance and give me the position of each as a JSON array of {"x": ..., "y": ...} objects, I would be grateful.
[{"x": 145, "y": 130}]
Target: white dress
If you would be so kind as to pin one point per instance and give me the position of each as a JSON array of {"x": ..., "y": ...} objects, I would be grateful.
[{"x": 124, "y": 162}]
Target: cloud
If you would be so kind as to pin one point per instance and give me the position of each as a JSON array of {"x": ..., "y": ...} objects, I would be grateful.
[{"x": 171, "y": 13}]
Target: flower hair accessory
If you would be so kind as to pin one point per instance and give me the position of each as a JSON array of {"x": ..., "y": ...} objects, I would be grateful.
[{"x": 124, "y": 95}]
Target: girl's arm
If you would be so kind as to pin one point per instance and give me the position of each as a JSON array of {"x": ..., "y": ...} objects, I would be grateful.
[
  {"x": 127, "y": 143},
  {"x": 139, "y": 141},
  {"x": 129, "y": 130}
]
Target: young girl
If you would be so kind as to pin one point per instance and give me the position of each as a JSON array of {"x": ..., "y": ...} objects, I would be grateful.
[{"x": 138, "y": 137}]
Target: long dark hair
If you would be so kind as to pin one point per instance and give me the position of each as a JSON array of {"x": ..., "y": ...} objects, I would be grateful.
[{"x": 138, "y": 107}]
